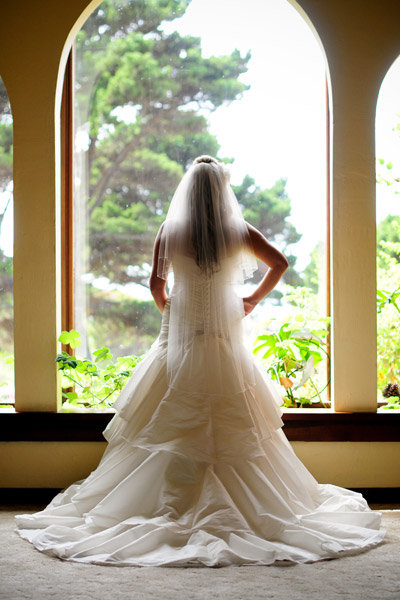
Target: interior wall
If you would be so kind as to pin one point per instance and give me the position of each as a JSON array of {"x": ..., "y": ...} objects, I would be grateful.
[
  {"x": 58, "y": 464},
  {"x": 361, "y": 40},
  {"x": 35, "y": 38}
]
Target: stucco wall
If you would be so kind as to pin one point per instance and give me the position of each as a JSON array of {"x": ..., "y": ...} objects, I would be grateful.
[{"x": 361, "y": 40}]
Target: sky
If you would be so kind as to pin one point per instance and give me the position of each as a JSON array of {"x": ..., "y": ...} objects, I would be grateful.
[
  {"x": 388, "y": 140},
  {"x": 277, "y": 128}
]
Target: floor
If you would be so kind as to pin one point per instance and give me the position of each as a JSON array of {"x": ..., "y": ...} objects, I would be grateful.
[{"x": 26, "y": 573}]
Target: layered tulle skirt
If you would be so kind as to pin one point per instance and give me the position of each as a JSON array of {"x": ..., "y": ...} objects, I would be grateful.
[{"x": 192, "y": 478}]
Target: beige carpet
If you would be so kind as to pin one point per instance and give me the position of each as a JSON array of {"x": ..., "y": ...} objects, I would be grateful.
[{"x": 26, "y": 573}]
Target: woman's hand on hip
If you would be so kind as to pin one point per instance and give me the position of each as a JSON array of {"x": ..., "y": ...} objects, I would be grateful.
[{"x": 248, "y": 304}]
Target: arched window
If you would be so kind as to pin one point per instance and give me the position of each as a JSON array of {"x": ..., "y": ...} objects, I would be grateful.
[
  {"x": 155, "y": 88},
  {"x": 6, "y": 252},
  {"x": 388, "y": 233}
]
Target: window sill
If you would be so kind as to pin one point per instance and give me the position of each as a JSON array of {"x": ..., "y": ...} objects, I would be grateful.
[{"x": 311, "y": 425}]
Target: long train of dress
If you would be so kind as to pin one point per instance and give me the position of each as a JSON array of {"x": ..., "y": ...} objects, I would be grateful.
[{"x": 190, "y": 478}]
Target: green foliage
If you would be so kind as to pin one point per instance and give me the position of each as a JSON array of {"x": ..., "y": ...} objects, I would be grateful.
[
  {"x": 6, "y": 379},
  {"x": 384, "y": 298},
  {"x": 71, "y": 338},
  {"x": 269, "y": 210},
  {"x": 142, "y": 101},
  {"x": 313, "y": 271},
  {"x": 292, "y": 349},
  {"x": 6, "y": 262},
  {"x": 385, "y": 172},
  {"x": 6, "y": 303},
  {"x": 392, "y": 404},
  {"x": 126, "y": 61},
  {"x": 6, "y": 139},
  {"x": 124, "y": 324},
  {"x": 388, "y": 285},
  {"x": 143, "y": 96},
  {"x": 388, "y": 309},
  {"x": 387, "y": 234},
  {"x": 85, "y": 383}
]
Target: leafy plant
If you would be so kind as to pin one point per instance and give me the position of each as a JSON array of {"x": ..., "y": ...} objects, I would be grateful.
[
  {"x": 383, "y": 298},
  {"x": 388, "y": 310},
  {"x": 6, "y": 380},
  {"x": 85, "y": 383},
  {"x": 291, "y": 355},
  {"x": 386, "y": 171}
]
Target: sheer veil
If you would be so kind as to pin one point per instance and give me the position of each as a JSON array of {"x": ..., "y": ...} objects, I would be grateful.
[
  {"x": 204, "y": 220},
  {"x": 205, "y": 240}
]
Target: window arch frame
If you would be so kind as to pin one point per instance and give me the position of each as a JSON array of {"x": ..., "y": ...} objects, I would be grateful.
[{"x": 307, "y": 419}]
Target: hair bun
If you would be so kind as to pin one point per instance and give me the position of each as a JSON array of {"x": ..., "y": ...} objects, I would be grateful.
[{"x": 205, "y": 158}]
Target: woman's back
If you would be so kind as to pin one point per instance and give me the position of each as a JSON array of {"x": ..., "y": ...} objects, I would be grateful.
[{"x": 205, "y": 328}]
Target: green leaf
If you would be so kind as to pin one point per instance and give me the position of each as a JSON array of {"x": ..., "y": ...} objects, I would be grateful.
[
  {"x": 71, "y": 338},
  {"x": 102, "y": 354},
  {"x": 268, "y": 353},
  {"x": 304, "y": 401}
]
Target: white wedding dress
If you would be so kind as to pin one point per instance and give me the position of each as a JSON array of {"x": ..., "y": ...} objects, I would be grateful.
[{"x": 197, "y": 470}]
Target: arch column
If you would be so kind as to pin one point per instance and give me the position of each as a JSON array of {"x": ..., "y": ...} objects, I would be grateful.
[
  {"x": 353, "y": 256},
  {"x": 351, "y": 35},
  {"x": 45, "y": 33}
]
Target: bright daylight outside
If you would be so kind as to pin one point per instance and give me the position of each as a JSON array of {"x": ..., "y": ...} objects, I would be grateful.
[
  {"x": 388, "y": 237},
  {"x": 155, "y": 85},
  {"x": 6, "y": 253}
]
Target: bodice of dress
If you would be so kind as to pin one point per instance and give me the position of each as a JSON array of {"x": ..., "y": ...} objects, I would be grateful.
[
  {"x": 205, "y": 351},
  {"x": 206, "y": 305}
]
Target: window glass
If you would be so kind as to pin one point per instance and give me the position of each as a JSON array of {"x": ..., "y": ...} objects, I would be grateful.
[
  {"x": 6, "y": 253},
  {"x": 157, "y": 84},
  {"x": 388, "y": 235}
]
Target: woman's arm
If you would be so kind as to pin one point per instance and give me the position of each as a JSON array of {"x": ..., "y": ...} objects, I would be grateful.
[
  {"x": 271, "y": 257},
  {"x": 157, "y": 285}
]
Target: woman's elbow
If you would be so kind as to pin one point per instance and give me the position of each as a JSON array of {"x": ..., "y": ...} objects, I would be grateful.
[
  {"x": 156, "y": 284},
  {"x": 283, "y": 264}
]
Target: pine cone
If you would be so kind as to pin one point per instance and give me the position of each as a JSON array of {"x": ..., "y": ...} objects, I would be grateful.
[{"x": 392, "y": 389}]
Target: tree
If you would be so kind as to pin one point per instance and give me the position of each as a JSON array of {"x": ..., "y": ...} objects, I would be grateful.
[
  {"x": 268, "y": 210},
  {"x": 146, "y": 120},
  {"x": 142, "y": 98},
  {"x": 388, "y": 281},
  {"x": 388, "y": 238},
  {"x": 313, "y": 271},
  {"x": 6, "y": 140},
  {"x": 135, "y": 165},
  {"x": 6, "y": 262}
]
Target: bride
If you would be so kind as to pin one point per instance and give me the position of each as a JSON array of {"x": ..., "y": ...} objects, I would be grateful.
[{"x": 197, "y": 470}]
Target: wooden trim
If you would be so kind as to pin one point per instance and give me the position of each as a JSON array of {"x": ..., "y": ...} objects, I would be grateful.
[
  {"x": 27, "y": 496},
  {"x": 318, "y": 426},
  {"x": 389, "y": 495},
  {"x": 328, "y": 233},
  {"x": 67, "y": 136},
  {"x": 30, "y": 496},
  {"x": 342, "y": 427}
]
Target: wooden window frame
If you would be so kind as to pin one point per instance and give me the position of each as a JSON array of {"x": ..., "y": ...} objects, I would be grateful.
[
  {"x": 67, "y": 200},
  {"x": 67, "y": 194},
  {"x": 299, "y": 424},
  {"x": 307, "y": 425}
]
